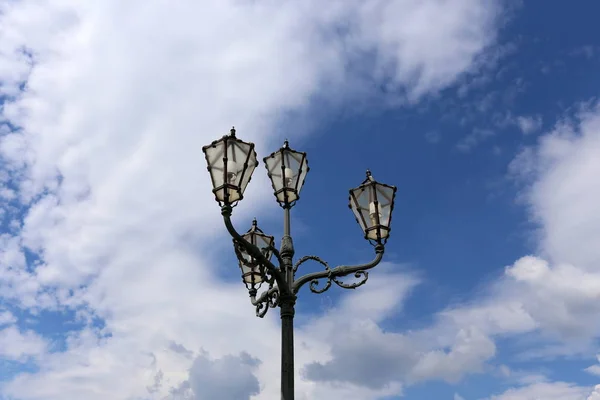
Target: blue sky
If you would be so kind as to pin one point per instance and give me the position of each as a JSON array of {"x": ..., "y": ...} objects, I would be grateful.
[{"x": 113, "y": 257}]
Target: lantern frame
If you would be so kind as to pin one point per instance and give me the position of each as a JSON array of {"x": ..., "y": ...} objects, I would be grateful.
[
  {"x": 376, "y": 220},
  {"x": 253, "y": 272},
  {"x": 231, "y": 149},
  {"x": 278, "y": 164}
]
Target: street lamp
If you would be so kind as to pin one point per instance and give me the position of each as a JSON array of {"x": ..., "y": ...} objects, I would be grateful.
[
  {"x": 253, "y": 274},
  {"x": 231, "y": 163}
]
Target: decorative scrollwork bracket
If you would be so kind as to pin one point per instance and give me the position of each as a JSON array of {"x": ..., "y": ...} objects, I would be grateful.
[
  {"x": 333, "y": 275},
  {"x": 267, "y": 299}
]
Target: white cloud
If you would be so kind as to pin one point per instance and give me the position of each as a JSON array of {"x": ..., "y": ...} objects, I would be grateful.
[
  {"x": 119, "y": 98},
  {"x": 212, "y": 379},
  {"x": 399, "y": 40},
  {"x": 393, "y": 357},
  {"x": 17, "y": 345},
  {"x": 7, "y": 318},
  {"x": 526, "y": 124},
  {"x": 546, "y": 391},
  {"x": 595, "y": 395},
  {"x": 555, "y": 292},
  {"x": 122, "y": 121},
  {"x": 594, "y": 369},
  {"x": 354, "y": 336},
  {"x": 551, "y": 296},
  {"x": 563, "y": 196},
  {"x": 468, "y": 354},
  {"x": 557, "y": 302},
  {"x": 529, "y": 124}
]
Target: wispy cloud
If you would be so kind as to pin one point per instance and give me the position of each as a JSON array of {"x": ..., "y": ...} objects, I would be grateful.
[
  {"x": 111, "y": 103},
  {"x": 529, "y": 124},
  {"x": 476, "y": 137}
]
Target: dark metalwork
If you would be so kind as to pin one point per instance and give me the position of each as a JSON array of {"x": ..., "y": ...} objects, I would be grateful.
[
  {"x": 231, "y": 163},
  {"x": 287, "y": 347},
  {"x": 287, "y": 170},
  {"x": 331, "y": 276},
  {"x": 253, "y": 273},
  {"x": 283, "y": 285},
  {"x": 309, "y": 258},
  {"x": 338, "y": 272},
  {"x": 372, "y": 204},
  {"x": 254, "y": 251},
  {"x": 268, "y": 299},
  {"x": 287, "y": 303}
]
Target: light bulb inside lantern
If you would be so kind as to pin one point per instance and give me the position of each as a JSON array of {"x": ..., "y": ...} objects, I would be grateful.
[
  {"x": 232, "y": 171},
  {"x": 288, "y": 176},
  {"x": 373, "y": 214}
]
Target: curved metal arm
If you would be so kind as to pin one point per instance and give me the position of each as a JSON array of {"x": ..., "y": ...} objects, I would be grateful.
[
  {"x": 267, "y": 299},
  {"x": 332, "y": 274},
  {"x": 253, "y": 250}
]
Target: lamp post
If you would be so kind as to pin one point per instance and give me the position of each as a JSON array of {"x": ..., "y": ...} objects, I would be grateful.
[{"x": 231, "y": 163}]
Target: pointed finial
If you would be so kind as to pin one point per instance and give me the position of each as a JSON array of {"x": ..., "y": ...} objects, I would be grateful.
[
  {"x": 254, "y": 223},
  {"x": 286, "y": 144},
  {"x": 232, "y": 131},
  {"x": 368, "y": 173}
]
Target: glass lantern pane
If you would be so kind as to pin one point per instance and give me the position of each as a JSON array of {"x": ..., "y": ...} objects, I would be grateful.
[
  {"x": 287, "y": 170},
  {"x": 250, "y": 237},
  {"x": 254, "y": 279},
  {"x": 292, "y": 167},
  {"x": 273, "y": 164},
  {"x": 232, "y": 177},
  {"x": 355, "y": 206},
  {"x": 296, "y": 169},
  {"x": 262, "y": 241},
  {"x": 385, "y": 197},
  {"x": 238, "y": 153},
  {"x": 246, "y": 269},
  {"x": 236, "y": 157},
  {"x": 246, "y": 256},
  {"x": 372, "y": 204},
  {"x": 233, "y": 194},
  {"x": 364, "y": 207},
  {"x": 291, "y": 196},
  {"x": 247, "y": 174},
  {"x": 251, "y": 276},
  {"x": 383, "y": 233},
  {"x": 214, "y": 158}
]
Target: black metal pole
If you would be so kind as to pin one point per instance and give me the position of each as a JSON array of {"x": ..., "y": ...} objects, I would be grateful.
[
  {"x": 287, "y": 348},
  {"x": 287, "y": 303}
]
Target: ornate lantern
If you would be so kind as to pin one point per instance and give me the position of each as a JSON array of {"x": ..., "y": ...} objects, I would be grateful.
[
  {"x": 252, "y": 272},
  {"x": 231, "y": 163},
  {"x": 372, "y": 203},
  {"x": 287, "y": 170}
]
